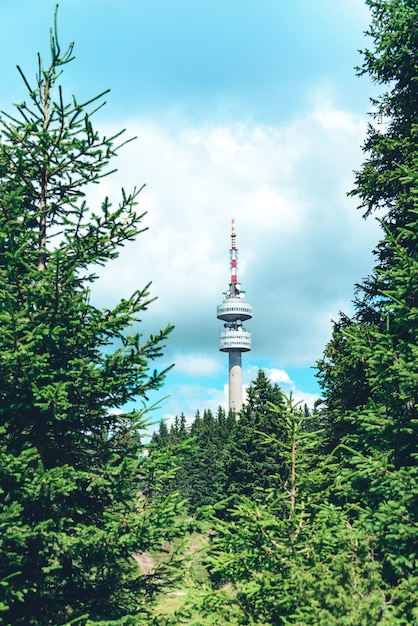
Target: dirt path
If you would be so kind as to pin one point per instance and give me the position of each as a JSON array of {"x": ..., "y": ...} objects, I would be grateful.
[{"x": 145, "y": 562}]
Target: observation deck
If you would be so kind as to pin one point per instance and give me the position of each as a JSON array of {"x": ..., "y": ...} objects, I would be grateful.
[
  {"x": 235, "y": 339},
  {"x": 233, "y": 309}
]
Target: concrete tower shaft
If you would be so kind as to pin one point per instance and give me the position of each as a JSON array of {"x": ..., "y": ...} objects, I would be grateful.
[
  {"x": 234, "y": 339},
  {"x": 235, "y": 381}
]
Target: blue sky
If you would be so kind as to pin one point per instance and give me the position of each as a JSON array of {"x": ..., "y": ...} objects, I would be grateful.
[{"x": 242, "y": 109}]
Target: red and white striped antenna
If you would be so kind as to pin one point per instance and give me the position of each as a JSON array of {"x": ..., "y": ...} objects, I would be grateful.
[{"x": 234, "y": 259}]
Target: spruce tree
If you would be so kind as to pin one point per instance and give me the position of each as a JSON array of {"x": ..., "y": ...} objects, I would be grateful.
[
  {"x": 72, "y": 514},
  {"x": 201, "y": 475},
  {"x": 249, "y": 464},
  {"x": 374, "y": 421}
]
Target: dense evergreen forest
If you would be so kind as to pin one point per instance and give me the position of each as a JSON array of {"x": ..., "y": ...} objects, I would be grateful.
[
  {"x": 223, "y": 457},
  {"x": 311, "y": 515}
]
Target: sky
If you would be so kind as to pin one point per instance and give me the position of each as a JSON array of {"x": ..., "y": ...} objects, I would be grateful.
[{"x": 241, "y": 109}]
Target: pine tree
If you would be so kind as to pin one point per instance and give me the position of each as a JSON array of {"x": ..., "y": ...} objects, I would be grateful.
[
  {"x": 370, "y": 372},
  {"x": 161, "y": 437},
  {"x": 249, "y": 465},
  {"x": 72, "y": 514},
  {"x": 204, "y": 473}
]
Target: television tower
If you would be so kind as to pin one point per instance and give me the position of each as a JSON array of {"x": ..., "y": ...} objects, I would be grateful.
[{"x": 234, "y": 339}]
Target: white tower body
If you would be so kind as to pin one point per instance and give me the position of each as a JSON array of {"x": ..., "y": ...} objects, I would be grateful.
[{"x": 234, "y": 339}]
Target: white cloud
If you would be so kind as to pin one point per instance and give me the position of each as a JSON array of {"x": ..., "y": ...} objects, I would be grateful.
[
  {"x": 278, "y": 376},
  {"x": 282, "y": 378},
  {"x": 304, "y": 397},
  {"x": 190, "y": 396},
  {"x": 282, "y": 184},
  {"x": 196, "y": 365},
  {"x": 302, "y": 244}
]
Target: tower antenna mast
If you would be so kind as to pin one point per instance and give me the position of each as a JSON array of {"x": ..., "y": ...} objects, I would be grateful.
[{"x": 234, "y": 261}]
